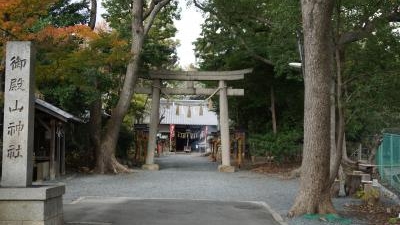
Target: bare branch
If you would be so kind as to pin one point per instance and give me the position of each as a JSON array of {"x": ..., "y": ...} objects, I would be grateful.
[
  {"x": 150, "y": 9},
  {"x": 8, "y": 33},
  {"x": 262, "y": 20},
  {"x": 353, "y": 36},
  {"x": 253, "y": 54},
  {"x": 150, "y": 18},
  {"x": 367, "y": 29},
  {"x": 201, "y": 7}
]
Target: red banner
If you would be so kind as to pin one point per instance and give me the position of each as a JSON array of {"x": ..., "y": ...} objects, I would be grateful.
[{"x": 171, "y": 131}]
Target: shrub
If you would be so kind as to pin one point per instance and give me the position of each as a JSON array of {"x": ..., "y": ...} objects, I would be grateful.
[
  {"x": 284, "y": 146},
  {"x": 369, "y": 196}
]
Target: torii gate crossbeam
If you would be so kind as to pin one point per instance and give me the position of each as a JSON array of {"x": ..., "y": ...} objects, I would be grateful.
[{"x": 221, "y": 76}]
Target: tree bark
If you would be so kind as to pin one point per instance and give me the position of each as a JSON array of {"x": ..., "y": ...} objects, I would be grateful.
[
  {"x": 376, "y": 141},
  {"x": 95, "y": 108},
  {"x": 336, "y": 151},
  {"x": 318, "y": 53},
  {"x": 139, "y": 32},
  {"x": 95, "y": 134},
  {"x": 93, "y": 13},
  {"x": 110, "y": 138}
]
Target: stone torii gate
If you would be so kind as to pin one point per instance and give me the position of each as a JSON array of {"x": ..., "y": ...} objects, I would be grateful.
[{"x": 190, "y": 76}]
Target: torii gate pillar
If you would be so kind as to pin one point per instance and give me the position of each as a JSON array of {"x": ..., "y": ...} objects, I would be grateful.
[
  {"x": 154, "y": 120},
  {"x": 224, "y": 128},
  {"x": 221, "y": 76}
]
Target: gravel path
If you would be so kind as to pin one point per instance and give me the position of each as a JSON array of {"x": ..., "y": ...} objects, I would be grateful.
[{"x": 191, "y": 177}]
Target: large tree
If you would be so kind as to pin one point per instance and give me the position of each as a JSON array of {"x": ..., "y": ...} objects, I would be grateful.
[
  {"x": 142, "y": 18},
  {"x": 318, "y": 52}
]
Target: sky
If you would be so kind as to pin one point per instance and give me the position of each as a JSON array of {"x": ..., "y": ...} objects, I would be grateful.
[{"x": 188, "y": 31}]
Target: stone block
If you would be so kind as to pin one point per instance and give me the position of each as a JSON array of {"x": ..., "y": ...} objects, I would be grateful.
[
  {"x": 42, "y": 171},
  {"x": 21, "y": 210},
  {"x": 50, "y": 208},
  {"x": 152, "y": 167},
  {"x": 60, "y": 206},
  {"x": 226, "y": 169},
  {"x": 18, "y": 208},
  {"x": 39, "y": 192},
  {"x": 10, "y": 222},
  {"x": 365, "y": 177},
  {"x": 33, "y": 223}
]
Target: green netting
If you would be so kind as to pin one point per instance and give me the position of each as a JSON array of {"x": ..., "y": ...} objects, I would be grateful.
[
  {"x": 332, "y": 218},
  {"x": 388, "y": 160}
]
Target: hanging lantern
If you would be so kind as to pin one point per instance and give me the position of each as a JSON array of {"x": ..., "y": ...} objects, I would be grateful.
[
  {"x": 189, "y": 114},
  {"x": 201, "y": 110},
  {"x": 177, "y": 110}
]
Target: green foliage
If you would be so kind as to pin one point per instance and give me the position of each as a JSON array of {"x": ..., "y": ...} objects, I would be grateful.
[
  {"x": 369, "y": 196},
  {"x": 372, "y": 78},
  {"x": 284, "y": 146},
  {"x": 394, "y": 220},
  {"x": 78, "y": 154},
  {"x": 63, "y": 13},
  {"x": 125, "y": 141},
  {"x": 66, "y": 13},
  {"x": 236, "y": 31},
  {"x": 159, "y": 50}
]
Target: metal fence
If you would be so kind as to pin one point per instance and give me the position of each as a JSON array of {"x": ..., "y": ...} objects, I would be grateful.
[{"x": 388, "y": 160}]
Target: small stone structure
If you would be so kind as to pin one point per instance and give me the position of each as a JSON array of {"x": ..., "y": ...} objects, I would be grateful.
[{"x": 20, "y": 201}]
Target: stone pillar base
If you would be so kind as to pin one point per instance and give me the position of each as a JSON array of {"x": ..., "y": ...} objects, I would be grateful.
[
  {"x": 226, "y": 169},
  {"x": 39, "y": 205},
  {"x": 151, "y": 167}
]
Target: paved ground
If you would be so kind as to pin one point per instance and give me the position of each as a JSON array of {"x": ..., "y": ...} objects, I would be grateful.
[
  {"x": 116, "y": 210},
  {"x": 185, "y": 183}
]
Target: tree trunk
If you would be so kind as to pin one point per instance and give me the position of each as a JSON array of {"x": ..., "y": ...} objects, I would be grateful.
[
  {"x": 110, "y": 138},
  {"x": 93, "y": 13},
  {"x": 95, "y": 108},
  {"x": 273, "y": 113},
  {"x": 318, "y": 53},
  {"x": 95, "y": 134},
  {"x": 333, "y": 119},
  {"x": 377, "y": 140},
  {"x": 336, "y": 153}
]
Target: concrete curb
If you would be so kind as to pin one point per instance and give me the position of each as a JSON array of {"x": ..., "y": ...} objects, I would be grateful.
[
  {"x": 274, "y": 214},
  {"x": 77, "y": 200}
]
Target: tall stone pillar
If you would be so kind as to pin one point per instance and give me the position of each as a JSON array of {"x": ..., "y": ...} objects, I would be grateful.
[
  {"x": 18, "y": 116},
  {"x": 224, "y": 128},
  {"x": 154, "y": 120},
  {"x": 20, "y": 201}
]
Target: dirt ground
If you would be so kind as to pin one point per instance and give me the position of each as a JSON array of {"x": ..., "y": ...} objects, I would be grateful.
[
  {"x": 377, "y": 214},
  {"x": 275, "y": 169}
]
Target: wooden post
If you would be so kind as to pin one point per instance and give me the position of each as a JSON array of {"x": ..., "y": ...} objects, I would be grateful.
[
  {"x": 273, "y": 112},
  {"x": 63, "y": 153},
  {"x": 154, "y": 120},
  {"x": 224, "y": 127},
  {"x": 59, "y": 160},
  {"x": 52, "y": 149},
  {"x": 240, "y": 151}
]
